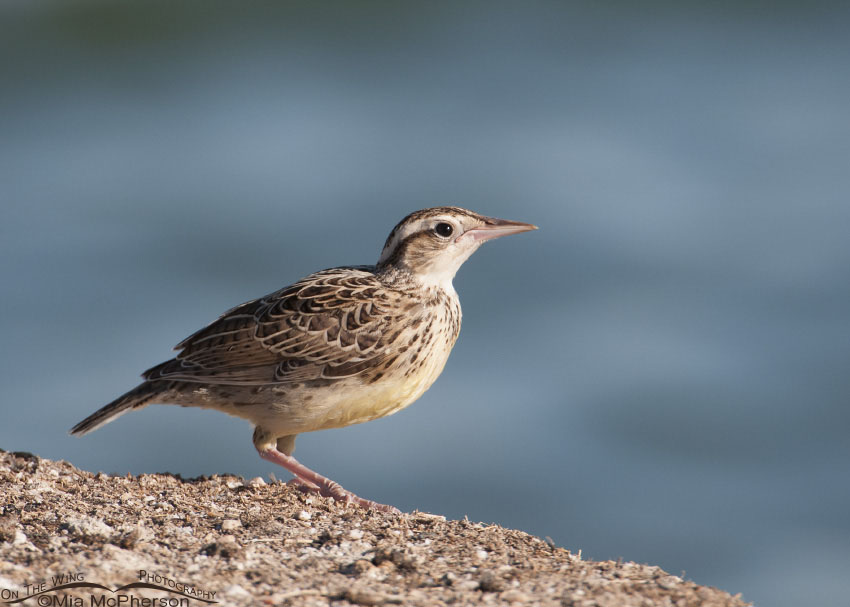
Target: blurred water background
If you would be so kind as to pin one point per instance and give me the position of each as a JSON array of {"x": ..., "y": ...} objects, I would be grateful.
[{"x": 659, "y": 374}]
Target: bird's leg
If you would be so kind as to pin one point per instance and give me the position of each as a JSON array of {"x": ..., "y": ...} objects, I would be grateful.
[{"x": 326, "y": 487}]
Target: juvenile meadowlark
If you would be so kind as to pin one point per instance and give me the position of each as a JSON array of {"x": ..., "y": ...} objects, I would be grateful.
[{"x": 339, "y": 347}]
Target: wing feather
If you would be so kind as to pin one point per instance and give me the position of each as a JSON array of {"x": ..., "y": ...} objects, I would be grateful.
[{"x": 330, "y": 324}]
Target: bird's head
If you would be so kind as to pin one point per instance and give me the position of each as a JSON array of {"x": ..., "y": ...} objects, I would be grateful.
[{"x": 433, "y": 243}]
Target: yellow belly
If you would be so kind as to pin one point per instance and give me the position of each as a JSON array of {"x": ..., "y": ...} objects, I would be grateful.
[
  {"x": 343, "y": 403},
  {"x": 362, "y": 403}
]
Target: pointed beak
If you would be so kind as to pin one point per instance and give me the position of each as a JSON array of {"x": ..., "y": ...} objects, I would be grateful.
[{"x": 496, "y": 228}]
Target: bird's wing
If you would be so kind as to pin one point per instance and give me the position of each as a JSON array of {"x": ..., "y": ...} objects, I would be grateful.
[{"x": 336, "y": 323}]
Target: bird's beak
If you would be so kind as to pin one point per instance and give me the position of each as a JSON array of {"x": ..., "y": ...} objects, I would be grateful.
[{"x": 495, "y": 228}]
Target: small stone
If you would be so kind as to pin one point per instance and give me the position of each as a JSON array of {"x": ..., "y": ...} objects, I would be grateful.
[
  {"x": 490, "y": 582},
  {"x": 130, "y": 536},
  {"x": 364, "y": 596},
  {"x": 466, "y": 585},
  {"x": 515, "y": 596},
  {"x": 355, "y": 534},
  {"x": 226, "y": 547},
  {"x": 427, "y": 517},
  {"x": 8, "y": 527},
  {"x": 360, "y": 567},
  {"x": 87, "y": 528},
  {"x": 304, "y": 516},
  {"x": 20, "y": 538},
  {"x": 669, "y": 582},
  {"x": 237, "y": 591},
  {"x": 257, "y": 481},
  {"x": 394, "y": 556},
  {"x": 230, "y": 525}
]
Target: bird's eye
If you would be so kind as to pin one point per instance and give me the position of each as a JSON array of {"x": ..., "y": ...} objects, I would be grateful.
[{"x": 444, "y": 229}]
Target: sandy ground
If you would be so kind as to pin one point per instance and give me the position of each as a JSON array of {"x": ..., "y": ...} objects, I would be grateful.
[{"x": 238, "y": 542}]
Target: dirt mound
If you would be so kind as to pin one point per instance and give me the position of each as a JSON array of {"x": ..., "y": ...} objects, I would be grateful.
[{"x": 235, "y": 542}]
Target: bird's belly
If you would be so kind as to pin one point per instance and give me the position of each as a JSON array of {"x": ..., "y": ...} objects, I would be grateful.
[{"x": 341, "y": 403}]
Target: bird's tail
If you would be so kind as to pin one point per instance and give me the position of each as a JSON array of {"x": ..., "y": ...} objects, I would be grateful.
[{"x": 134, "y": 399}]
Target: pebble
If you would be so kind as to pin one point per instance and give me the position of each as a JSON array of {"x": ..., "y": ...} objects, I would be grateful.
[
  {"x": 515, "y": 596},
  {"x": 364, "y": 596},
  {"x": 466, "y": 585},
  {"x": 20, "y": 538},
  {"x": 87, "y": 527},
  {"x": 236, "y": 591},
  {"x": 428, "y": 517},
  {"x": 669, "y": 582},
  {"x": 490, "y": 582}
]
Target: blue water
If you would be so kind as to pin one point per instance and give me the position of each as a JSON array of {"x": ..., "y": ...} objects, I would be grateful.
[{"x": 659, "y": 374}]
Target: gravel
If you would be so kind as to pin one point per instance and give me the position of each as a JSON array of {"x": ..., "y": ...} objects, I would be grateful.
[{"x": 252, "y": 542}]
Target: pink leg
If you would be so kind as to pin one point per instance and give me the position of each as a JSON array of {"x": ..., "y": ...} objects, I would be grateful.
[{"x": 326, "y": 487}]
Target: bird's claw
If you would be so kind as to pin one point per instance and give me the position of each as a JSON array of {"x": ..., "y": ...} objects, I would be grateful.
[{"x": 339, "y": 494}]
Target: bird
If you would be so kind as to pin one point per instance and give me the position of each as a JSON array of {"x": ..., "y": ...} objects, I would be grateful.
[{"x": 339, "y": 347}]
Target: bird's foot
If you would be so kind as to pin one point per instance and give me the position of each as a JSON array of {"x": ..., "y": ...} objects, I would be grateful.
[
  {"x": 302, "y": 485},
  {"x": 349, "y": 498},
  {"x": 308, "y": 481},
  {"x": 333, "y": 489}
]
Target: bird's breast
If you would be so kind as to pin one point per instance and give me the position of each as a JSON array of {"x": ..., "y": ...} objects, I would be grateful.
[{"x": 417, "y": 359}]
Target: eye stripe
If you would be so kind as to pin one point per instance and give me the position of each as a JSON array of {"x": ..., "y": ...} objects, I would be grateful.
[
  {"x": 417, "y": 222},
  {"x": 401, "y": 247}
]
